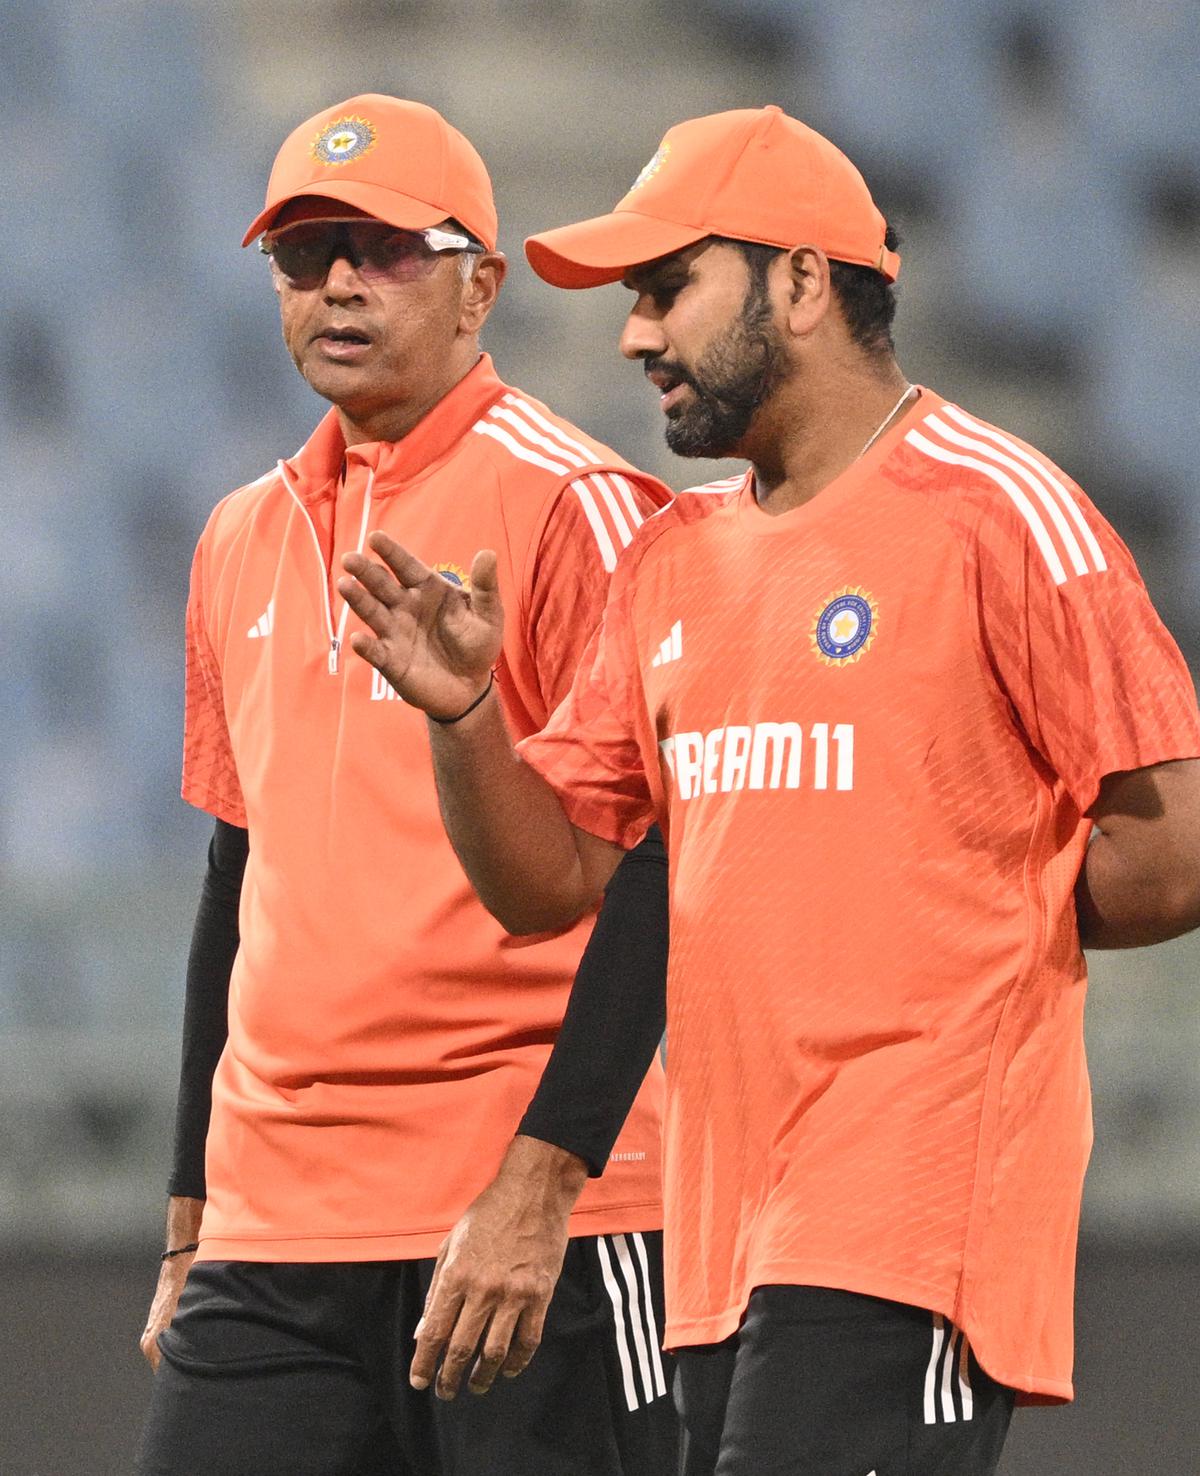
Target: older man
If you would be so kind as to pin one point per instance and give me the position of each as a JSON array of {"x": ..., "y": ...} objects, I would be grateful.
[{"x": 384, "y": 1033}]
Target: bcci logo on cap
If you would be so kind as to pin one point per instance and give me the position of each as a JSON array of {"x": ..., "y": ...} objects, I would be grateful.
[
  {"x": 845, "y": 627},
  {"x": 348, "y": 138},
  {"x": 651, "y": 169}
]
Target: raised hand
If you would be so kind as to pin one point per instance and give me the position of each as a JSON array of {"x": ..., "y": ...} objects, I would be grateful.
[{"x": 433, "y": 641}]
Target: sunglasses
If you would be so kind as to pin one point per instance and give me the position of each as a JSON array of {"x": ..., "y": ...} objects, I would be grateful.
[{"x": 378, "y": 252}]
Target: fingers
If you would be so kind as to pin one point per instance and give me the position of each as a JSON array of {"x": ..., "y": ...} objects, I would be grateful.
[
  {"x": 526, "y": 1339},
  {"x": 371, "y": 650},
  {"x": 460, "y": 1350},
  {"x": 451, "y": 1328},
  {"x": 512, "y": 1339},
  {"x": 386, "y": 589},
  {"x": 457, "y": 1327},
  {"x": 372, "y": 611},
  {"x": 495, "y": 1350},
  {"x": 407, "y": 568},
  {"x": 434, "y": 1331},
  {"x": 149, "y": 1346}
]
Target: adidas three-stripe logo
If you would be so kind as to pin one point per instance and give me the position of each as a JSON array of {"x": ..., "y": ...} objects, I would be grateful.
[
  {"x": 626, "y": 1272},
  {"x": 948, "y": 1376},
  {"x": 1053, "y": 516},
  {"x": 265, "y": 623},
  {"x": 672, "y": 648},
  {"x": 606, "y": 497}
]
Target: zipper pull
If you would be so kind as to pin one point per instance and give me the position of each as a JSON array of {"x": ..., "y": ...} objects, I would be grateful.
[{"x": 335, "y": 645}]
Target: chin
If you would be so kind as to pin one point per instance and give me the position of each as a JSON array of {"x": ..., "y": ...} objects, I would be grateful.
[
  {"x": 694, "y": 447},
  {"x": 333, "y": 381}
]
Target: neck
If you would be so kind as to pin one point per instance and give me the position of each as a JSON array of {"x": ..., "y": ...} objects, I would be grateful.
[
  {"x": 810, "y": 433},
  {"x": 394, "y": 419}
]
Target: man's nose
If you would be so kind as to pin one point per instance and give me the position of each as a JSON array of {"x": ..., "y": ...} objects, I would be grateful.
[
  {"x": 342, "y": 279},
  {"x": 642, "y": 336}
]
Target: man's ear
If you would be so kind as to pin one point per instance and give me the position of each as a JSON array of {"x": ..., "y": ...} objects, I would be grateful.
[
  {"x": 808, "y": 287},
  {"x": 482, "y": 290}
]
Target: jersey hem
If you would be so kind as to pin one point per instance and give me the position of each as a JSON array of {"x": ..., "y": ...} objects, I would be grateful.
[
  {"x": 407, "y": 1246},
  {"x": 1031, "y": 1387},
  {"x": 1145, "y": 758},
  {"x": 213, "y": 804}
]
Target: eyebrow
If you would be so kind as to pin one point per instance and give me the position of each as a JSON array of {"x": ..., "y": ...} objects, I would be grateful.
[{"x": 644, "y": 278}]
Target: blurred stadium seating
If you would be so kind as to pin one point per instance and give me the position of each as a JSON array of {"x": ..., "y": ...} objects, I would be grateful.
[{"x": 1041, "y": 162}]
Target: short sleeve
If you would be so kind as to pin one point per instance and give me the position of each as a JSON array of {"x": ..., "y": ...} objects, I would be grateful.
[
  {"x": 588, "y": 752},
  {"x": 210, "y": 779},
  {"x": 593, "y": 520},
  {"x": 1095, "y": 679}
]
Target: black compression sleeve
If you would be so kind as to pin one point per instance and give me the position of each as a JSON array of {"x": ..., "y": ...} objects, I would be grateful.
[
  {"x": 615, "y": 1017},
  {"x": 206, "y": 1001}
]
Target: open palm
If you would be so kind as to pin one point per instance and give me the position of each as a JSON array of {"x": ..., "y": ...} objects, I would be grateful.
[{"x": 433, "y": 641}]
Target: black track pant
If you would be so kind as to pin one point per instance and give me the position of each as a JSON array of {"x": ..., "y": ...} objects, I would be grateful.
[
  {"x": 829, "y": 1383},
  {"x": 302, "y": 1370}
]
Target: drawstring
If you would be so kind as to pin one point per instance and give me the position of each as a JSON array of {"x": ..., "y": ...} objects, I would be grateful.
[{"x": 336, "y": 637}]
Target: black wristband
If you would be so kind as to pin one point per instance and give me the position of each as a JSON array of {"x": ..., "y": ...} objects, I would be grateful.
[
  {"x": 180, "y": 1250},
  {"x": 445, "y": 722}
]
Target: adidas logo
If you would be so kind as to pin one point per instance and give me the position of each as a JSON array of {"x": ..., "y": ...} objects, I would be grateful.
[
  {"x": 672, "y": 648},
  {"x": 265, "y": 623}
]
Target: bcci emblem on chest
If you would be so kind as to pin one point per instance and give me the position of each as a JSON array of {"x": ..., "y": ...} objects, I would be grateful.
[{"x": 845, "y": 627}]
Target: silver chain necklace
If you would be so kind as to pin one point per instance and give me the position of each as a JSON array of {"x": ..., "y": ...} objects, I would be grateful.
[{"x": 885, "y": 422}]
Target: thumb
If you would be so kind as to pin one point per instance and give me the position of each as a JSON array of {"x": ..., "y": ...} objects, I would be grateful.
[{"x": 485, "y": 585}]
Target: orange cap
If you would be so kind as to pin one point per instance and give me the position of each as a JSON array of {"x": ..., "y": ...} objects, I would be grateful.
[
  {"x": 399, "y": 161},
  {"x": 754, "y": 174}
]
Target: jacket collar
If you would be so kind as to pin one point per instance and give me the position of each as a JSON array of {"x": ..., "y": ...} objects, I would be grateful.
[{"x": 315, "y": 469}]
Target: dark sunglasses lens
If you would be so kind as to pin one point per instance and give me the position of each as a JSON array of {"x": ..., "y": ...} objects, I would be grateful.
[
  {"x": 304, "y": 253},
  {"x": 386, "y": 252}
]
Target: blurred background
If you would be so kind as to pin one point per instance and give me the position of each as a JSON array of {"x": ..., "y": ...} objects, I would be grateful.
[{"x": 1042, "y": 162}]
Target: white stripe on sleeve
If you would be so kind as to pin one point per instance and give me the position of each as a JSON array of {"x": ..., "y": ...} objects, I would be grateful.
[
  {"x": 498, "y": 412},
  {"x": 556, "y": 431},
  {"x": 626, "y": 491},
  {"x": 1022, "y": 503},
  {"x": 607, "y": 552},
  {"x": 521, "y": 452},
  {"x": 603, "y": 485},
  {"x": 1063, "y": 493},
  {"x": 1034, "y": 483}
]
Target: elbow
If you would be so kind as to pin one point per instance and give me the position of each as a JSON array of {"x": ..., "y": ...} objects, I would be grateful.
[
  {"x": 1179, "y": 903},
  {"x": 1170, "y": 911},
  {"x": 524, "y": 917}
]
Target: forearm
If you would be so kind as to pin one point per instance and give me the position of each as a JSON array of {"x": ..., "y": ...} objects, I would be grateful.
[
  {"x": 183, "y": 1221},
  {"x": 615, "y": 1016},
  {"x": 530, "y": 866},
  {"x": 543, "y": 1180},
  {"x": 1128, "y": 898}
]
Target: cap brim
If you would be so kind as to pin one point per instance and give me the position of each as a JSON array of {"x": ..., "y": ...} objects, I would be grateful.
[
  {"x": 384, "y": 204},
  {"x": 604, "y": 248}
]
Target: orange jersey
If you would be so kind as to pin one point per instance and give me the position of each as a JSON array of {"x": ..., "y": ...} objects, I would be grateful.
[
  {"x": 870, "y": 727},
  {"x": 385, "y": 1033}
]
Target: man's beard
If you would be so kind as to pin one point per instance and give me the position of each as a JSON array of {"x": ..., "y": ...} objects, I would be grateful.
[{"x": 735, "y": 375}]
